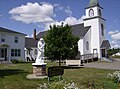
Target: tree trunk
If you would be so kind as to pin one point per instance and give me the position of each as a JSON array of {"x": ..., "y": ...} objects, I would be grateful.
[{"x": 59, "y": 62}]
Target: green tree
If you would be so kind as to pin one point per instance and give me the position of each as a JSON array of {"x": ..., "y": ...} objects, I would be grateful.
[{"x": 60, "y": 43}]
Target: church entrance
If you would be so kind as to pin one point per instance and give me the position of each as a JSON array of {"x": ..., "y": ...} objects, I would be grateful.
[{"x": 103, "y": 52}]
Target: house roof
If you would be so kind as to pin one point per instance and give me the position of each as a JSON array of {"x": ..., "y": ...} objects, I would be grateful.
[
  {"x": 105, "y": 44},
  {"x": 10, "y": 31},
  {"x": 30, "y": 42}
]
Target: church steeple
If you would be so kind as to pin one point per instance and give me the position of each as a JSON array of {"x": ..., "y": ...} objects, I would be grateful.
[{"x": 93, "y": 3}]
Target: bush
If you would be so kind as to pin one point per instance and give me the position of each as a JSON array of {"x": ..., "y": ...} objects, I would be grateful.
[
  {"x": 115, "y": 76},
  {"x": 17, "y": 61},
  {"x": 58, "y": 85}
]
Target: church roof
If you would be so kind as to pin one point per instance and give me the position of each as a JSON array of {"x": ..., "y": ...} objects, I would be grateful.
[
  {"x": 30, "y": 42},
  {"x": 41, "y": 34},
  {"x": 77, "y": 30},
  {"x": 10, "y": 31},
  {"x": 93, "y": 3},
  {"x": 105, "y": 44}
]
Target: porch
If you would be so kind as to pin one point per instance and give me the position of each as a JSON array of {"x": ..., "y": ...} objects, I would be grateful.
[{"x": 4, "y": 52}]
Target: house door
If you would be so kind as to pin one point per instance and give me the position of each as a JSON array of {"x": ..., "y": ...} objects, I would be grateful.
[
  {"x": 3, "y": 53},
  {"x": 103, "y": 52}
]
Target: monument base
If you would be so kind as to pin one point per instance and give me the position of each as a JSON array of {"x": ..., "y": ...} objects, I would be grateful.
[
  {"x": 39, "y": 69},
  {"x": 32, "y": 76}
]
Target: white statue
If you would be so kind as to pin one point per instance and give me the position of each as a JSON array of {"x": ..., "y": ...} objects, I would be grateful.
[{"x": 40, "y": 55}]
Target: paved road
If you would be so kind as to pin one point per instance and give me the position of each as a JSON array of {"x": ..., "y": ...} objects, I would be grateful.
[{"x": 103, "y": 65}]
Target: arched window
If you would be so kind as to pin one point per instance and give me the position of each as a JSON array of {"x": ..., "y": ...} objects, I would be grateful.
[
  {"x": 102, "y": 29},
  {"x": 91, "y": 12},
  {"x": 87, "y": 45},
  {"x": 99, "y": 11},
  {"x": 35, "y": 51}
]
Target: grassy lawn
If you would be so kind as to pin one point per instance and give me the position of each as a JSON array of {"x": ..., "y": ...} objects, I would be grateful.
[{"x": 13, "y": 76}]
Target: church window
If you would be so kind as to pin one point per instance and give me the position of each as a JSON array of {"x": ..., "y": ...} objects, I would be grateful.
[
  {"x": 102, "y": 29},
  {"x": 100, "y": 14},
  {"x": 87, "y": 45},
  {"x": 91, "y": 12}
]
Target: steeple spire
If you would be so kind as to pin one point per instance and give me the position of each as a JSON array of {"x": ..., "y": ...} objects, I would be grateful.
[{"x": 93, "y": 3}]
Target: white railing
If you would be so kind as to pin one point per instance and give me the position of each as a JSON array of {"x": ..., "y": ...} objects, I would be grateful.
[{"x": 89, "y": 56}]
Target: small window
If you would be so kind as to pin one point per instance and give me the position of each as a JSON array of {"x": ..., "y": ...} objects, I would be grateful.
[
  {"x": 100, "y": 14},
  {"x": 15, "y": 52},
  {"x": 3, "y": 38},
  {"x": 87, "y": 45},
  {"x": 91, "y": 12},
  {"x": 16, "y": 39},
  {"x": 102, "y": 29}
]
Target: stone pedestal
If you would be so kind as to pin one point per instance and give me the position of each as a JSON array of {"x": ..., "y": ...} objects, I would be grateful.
[{"x": 39, "y": 69}]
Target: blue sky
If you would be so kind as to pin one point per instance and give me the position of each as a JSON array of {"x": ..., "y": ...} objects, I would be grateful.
[{"x": 25, "y": 15}]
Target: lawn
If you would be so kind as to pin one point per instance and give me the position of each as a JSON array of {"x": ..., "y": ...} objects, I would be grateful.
[{"x": 13, "y": 76}]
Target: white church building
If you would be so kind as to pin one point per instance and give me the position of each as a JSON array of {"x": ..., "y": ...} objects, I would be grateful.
[
  {"x": 91, "y": 32},
  {"x": 94, "y": 41}
]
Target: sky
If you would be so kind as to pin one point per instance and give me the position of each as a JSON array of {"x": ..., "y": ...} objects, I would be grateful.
[{"x": 26, "y": 15}]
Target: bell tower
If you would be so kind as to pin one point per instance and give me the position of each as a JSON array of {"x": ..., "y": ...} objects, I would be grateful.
[{"x": 94, "y": 18}]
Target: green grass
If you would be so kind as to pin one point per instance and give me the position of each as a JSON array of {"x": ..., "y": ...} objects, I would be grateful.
[{"x": 13, "y": 76}]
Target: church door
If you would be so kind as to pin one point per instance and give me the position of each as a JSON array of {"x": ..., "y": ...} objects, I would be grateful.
[{"x": 103, "y": 52}]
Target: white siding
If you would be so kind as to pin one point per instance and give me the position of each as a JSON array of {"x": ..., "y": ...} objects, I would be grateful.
[
  {"x": 80, "y": 46},
  {"x": 9, "y": 40}
]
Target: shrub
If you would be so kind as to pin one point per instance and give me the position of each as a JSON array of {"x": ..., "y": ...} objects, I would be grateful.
[
  {"x": 58, "y": 85},
  {"x": 17, "y": 61},
  {"x": 115, "y": 76}
]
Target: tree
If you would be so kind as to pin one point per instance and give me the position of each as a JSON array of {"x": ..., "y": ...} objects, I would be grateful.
[
  {"x": 60, "y": 43},
  {"x": 113, "y": 51}
]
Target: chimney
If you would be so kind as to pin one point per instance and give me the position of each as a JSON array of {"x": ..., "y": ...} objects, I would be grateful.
[{"x": 34, "y": 34}]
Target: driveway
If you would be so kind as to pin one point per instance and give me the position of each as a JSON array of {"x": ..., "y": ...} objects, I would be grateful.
[{"x": 104, "y": 65}]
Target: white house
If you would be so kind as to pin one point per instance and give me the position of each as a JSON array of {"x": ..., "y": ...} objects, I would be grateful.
[
  {"x": 91, "y": 32},
  {"x": 12, "y": 45}
]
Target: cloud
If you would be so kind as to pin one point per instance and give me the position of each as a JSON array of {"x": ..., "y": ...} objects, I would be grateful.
[
  {"x": 68, "y": 11},
  {"x": 113, "y": 32},
  {"x": 58, "y": 7},
  {"x": 33, "y": 13},
  {"x": 69, "y": 20},
  {"x": 115, "y": 35},
  {"x": 0, "y": 15}
]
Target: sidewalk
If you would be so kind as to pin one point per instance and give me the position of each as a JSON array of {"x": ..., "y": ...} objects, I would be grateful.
[{"x": 103, "y": 65}]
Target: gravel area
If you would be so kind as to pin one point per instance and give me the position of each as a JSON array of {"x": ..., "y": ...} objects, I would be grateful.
[{"x": 104, "y": 65}]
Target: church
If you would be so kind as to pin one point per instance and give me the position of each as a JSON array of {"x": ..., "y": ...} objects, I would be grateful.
[{"x": 91, "y": 33}]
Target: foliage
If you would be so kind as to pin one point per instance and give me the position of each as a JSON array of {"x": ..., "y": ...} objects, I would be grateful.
[
  {"x": 60, "y": 43},
  {"x": 17, "y": 61},
  {"x": 58, "y": 85},
  {"x": 113, "y": 51},
  {"x": 115, "y": 76}
]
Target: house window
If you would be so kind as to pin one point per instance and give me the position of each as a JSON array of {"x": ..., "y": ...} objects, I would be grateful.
[
  {"x": 99, "y": 11},
  {"x": 87, "y": 45},
  {"x": 15, "y": 52},
  {"x": 102, "y": 29},
  {"x": 16, "y": 39},
  {"x": 91, "y": 12},
  {"x": 3, "y": 38}
]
